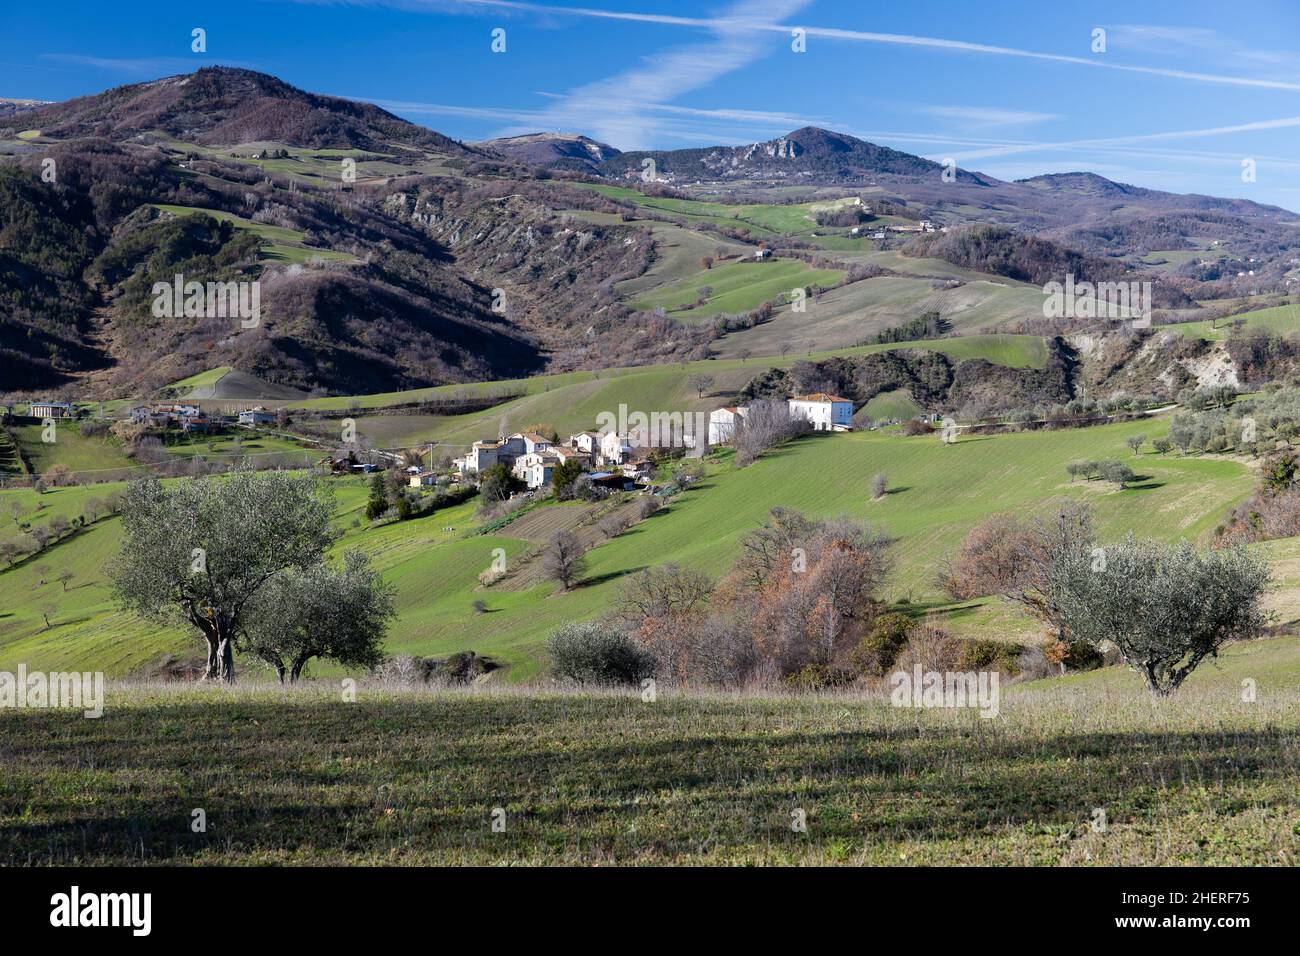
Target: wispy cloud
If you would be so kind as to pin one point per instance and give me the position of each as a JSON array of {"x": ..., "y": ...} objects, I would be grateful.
[
  {"x": 988, "y": 115},
  {"x": 738, "y": 14},
  {"x": 413, "y": 108},
  {"x": 543, "y": 119},
  {"x": 143, "y": 66},
  {"x": 1193, "y": 41},
  {"x": 1255, "y": 126},
  {"x": 626, "y": 109}
]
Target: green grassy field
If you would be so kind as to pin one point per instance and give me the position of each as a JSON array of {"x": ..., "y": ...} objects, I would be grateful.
[
  {"x": 845, "y": 316},
  {"x": 284, "y": 245},
  {"x": 759, "y": 220},
  {"x": 395, "y": 778},
  {"x": 103, "y": 458},
  {"x": 737, "y": 286},
  {"x": 91, "y": 455},
  {"x": 574, "y": 406},
  {"x": 1280, "y": 319},
  {"x": 206, "y": 379},
  {"x": 938, "y": 493},
  {"x": 677, "y": 256},
  {"x": 895, "y": 405},
  {"x": 571, "y": 401}
]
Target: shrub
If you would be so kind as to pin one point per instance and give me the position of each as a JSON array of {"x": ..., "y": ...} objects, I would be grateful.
[
  {"x": 1081, "y": 656},
  {"x": 879, "y": 647},
  {"x": 986, "y": 655},
  {"x": 914, "y": 426},
  {"x": 931, "y": 647},
  {"x": 646, "y": 506},
  {"x": 592, "y": 653},
  {"x": 1116, "y": 472},
  {"x": 611, "y": 526},
  {"x": 818, "y": 677}
]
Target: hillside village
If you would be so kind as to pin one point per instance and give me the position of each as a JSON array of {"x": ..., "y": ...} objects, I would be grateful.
[{"x": 621, "y": 459}]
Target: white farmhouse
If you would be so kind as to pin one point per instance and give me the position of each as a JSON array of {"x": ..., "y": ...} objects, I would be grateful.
[
  {"x": 535, "y": 468},
  {"x": 586, "y": 442},
  {"x": 481, "y": 456},
  {"x": 614, "y": 448},
  {"x": 826, "y": 413},
  {"x": 723, "y": 423},
  {"x": 256, "y": 416},
  {"x": 532, "y": 442}
]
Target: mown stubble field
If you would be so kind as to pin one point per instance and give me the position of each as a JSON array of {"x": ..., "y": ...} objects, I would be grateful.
[{"x": 404, "y": 777}]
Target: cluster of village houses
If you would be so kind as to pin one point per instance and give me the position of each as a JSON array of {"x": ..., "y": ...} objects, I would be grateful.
[
  {"x": 532, "y": 458},
  {"x": 188, "y": 418},
  {"x": 615, "y": 459},
  {"x": 191, "y": 418}
]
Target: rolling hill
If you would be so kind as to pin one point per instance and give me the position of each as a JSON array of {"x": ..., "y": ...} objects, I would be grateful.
[
  {"x": 227, "y": 106},
  {"x": 429, "y": 262},
  {"x": 940, "y": 491}
]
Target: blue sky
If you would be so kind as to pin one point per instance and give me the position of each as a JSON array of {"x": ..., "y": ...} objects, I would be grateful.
[{"x": 1181, "y": 96}]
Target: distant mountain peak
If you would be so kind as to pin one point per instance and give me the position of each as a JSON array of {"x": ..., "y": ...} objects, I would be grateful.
[
  {"x": 1084, "y": 183},
  {"x": 223, "y": 105},
  {"x": 551, "y": 149},
  {"x": 807, "y": 154}
]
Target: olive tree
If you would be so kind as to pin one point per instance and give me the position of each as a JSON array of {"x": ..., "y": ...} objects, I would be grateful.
[
  {"x": 341, "y": 614},
  {"x": 1165, "y": 607},
  {"x": 201, "y": 550}
]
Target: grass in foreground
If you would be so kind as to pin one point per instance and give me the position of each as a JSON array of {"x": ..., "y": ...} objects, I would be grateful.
[{"x": 413, "y": 778}]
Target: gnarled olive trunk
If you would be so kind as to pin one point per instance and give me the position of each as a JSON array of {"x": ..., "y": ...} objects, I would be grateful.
[
  {"x": 226, "y": 658},
  {"x": 212, "y": 669},
  {"x": 221, "y": 649}
]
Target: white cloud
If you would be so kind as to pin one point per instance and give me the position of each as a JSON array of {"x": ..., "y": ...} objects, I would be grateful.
[
  {"x": 1283, "y": 123},
  {"x": 738, "y": 15},
  {"x": 988, "y": 115},
  {"x": 625, "y": 109},
  {"x": 1192, "y": 41},
  {"x": 150, "y": 67}
]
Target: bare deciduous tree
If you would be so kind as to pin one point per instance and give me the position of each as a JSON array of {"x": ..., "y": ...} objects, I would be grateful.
[
  {"x": 766, "y": 424},
  {"x": 701, "y": 383},
  {"x": 562, "y": 559}
]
